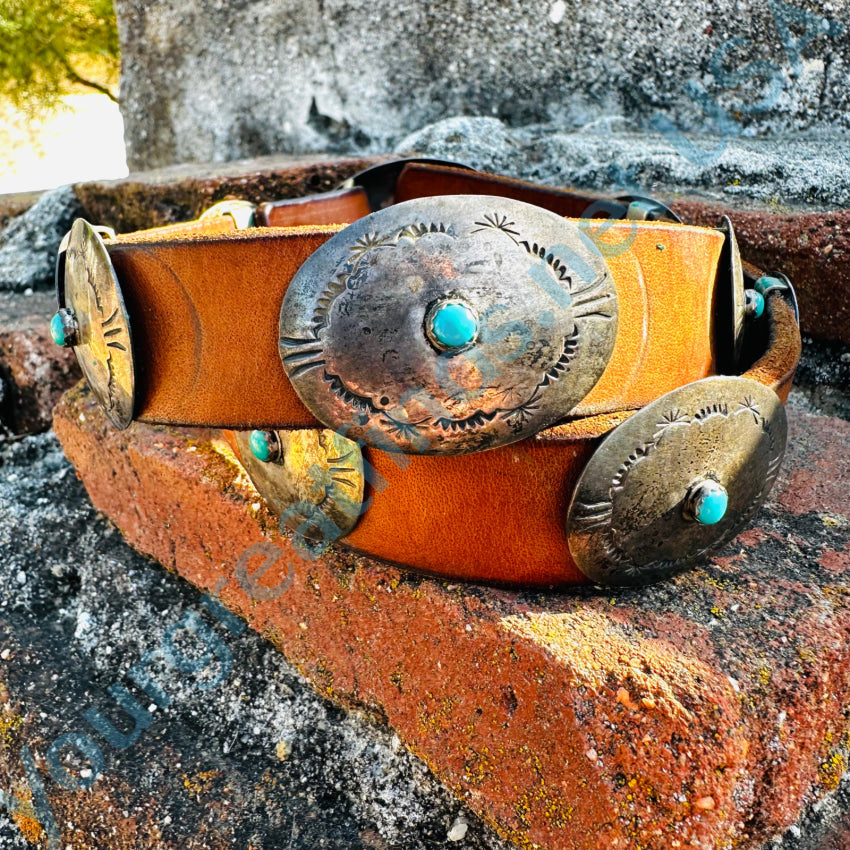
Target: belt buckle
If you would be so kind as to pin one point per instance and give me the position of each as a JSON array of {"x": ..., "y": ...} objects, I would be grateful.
[{"x": 447, "y": 325}]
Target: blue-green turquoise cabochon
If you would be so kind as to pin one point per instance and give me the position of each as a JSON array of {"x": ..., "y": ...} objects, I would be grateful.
[
  {"x": 766, "y": 282},
  {"x": 454, "y": 325},
  {"x": 711, "y": 503},
  {"x": 756, "y": 299},
  {"x": 260, "y": 445},
  {"x": 57, "y": 329}
]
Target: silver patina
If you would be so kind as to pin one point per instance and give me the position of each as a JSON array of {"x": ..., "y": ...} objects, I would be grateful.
[
  {"x": 631, "y": 519},
  {"x": 355, "y": 342},
  {"x": 92, "y": 297},
  {"x": 315, "y": 483}
]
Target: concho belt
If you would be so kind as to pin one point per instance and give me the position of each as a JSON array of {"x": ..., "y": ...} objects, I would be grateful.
[{"x": 469, "y": 375}]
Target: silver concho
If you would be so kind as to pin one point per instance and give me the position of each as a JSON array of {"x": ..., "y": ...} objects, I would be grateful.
[
  {"x": 104, "y": 349},
  {"x": 354, "y": 341},
  {"x": 316, "y": 488},
  {"x": 630, "y": 519}
]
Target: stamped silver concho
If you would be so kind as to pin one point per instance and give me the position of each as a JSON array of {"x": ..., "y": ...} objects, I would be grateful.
[
  {"x": 631, "y": 520},
  {"x": 358, "y": 343},
  {"x": 104, "y": 347},
  {"x": 316, "y": 487}
]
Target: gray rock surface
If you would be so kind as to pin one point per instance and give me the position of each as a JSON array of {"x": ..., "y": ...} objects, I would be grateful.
[
  {"x": 218, "y": 81},
  {"x": 258, "y": 760},
  {"x": 28, "y": 243},
  {"x": 822, "y": 381},
  {"x": 774, "y": 173}
]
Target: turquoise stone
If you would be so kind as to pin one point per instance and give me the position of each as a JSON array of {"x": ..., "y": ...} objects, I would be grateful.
[
  {"x": 643, "y": 207},
  {"x": 57, "y": 329},
  {"x": 764, "y": 283},
  {"x": 711, "y": 503},
  {"x": 755, "y": 298},
  {"x": 454, "y": 325},
  {"x": 260, "y": 447}
]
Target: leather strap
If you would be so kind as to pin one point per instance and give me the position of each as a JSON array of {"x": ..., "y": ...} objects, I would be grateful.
[
  {"x": 204, "y": 305},
  {"x": 499, "y": 516},
  {"x": 204, "y": 313},
  {"x": 341, "y": 207},
  {"x": 419, "y": 180}
]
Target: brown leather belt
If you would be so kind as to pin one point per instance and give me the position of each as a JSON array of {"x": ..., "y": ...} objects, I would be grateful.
[{"x": 328, "y": 313}]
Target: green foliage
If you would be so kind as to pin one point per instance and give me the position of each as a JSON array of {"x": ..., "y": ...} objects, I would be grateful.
[{"x": 49, "y": 48}]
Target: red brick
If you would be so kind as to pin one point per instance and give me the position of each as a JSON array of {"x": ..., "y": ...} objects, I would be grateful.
[{"x": 698, "y": 712}]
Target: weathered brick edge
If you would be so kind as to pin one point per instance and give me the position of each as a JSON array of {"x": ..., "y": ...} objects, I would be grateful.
[
  {"x": 705, "y": 711},
  {"x": 181, "y": 193}
]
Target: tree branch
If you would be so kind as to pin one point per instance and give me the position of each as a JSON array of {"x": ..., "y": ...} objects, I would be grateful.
[{"x": 74, "y": 77}]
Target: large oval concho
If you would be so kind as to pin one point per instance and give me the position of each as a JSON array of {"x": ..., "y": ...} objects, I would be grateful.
[{"x": 449, "y": 325}]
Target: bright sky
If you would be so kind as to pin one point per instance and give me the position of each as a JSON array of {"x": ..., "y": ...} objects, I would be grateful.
[{"x": 84, "y": 141}]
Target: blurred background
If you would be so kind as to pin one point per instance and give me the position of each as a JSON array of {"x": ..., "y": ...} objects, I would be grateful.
[
  {"x": 59, "y": 115},
  {"x": 216, "y": 81}
]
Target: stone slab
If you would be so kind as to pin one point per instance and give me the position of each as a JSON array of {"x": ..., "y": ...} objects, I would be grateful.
[
  {"x": 780, "y": 174},
  {"x": 205, "y": 82},
  {"x": 706, "y": 711}
]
